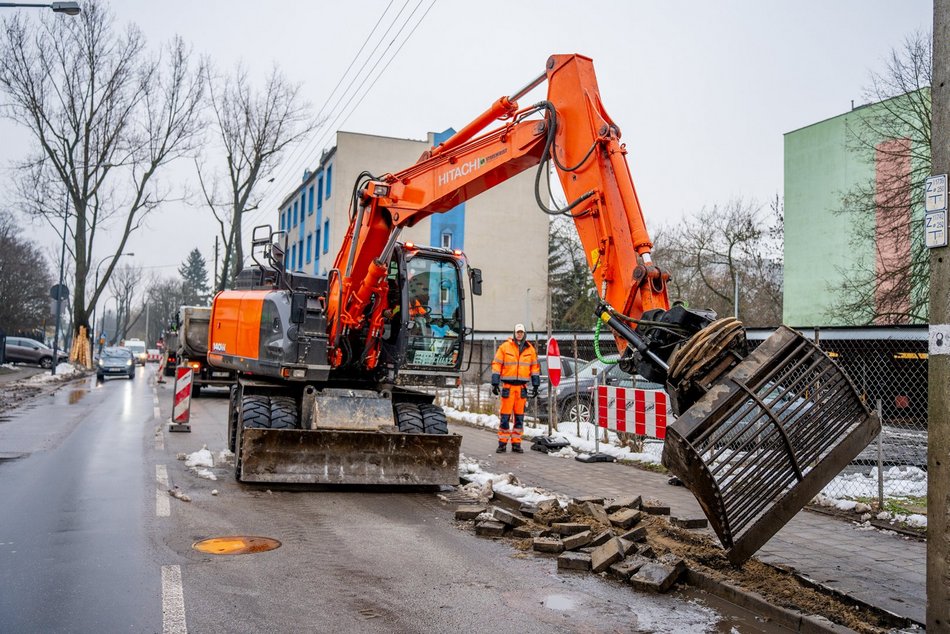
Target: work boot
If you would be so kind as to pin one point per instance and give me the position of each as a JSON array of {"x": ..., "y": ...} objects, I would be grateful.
[
  {"x": 516, "y": 447},
  {"x": 502, "y": 447}
]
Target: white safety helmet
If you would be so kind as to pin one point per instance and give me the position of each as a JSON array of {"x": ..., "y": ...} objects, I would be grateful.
[{"x": 519, "y": 328}]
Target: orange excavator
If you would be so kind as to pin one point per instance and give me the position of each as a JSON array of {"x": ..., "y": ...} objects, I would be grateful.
[{"x": 327, "y": 365}]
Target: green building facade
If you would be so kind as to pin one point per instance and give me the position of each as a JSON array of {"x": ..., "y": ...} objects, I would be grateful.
[{"x": 824, "y": 247}]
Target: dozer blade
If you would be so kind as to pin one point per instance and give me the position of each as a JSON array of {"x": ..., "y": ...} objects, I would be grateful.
[
  {"x": 765, "y": 439},
  {"x": 322, "y": 456}
]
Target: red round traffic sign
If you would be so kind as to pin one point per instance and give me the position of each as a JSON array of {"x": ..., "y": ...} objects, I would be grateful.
[{"x": 554, "y": 362}]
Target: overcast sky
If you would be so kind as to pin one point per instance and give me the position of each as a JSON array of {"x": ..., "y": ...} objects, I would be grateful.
[{"x": 702, "y": 91}]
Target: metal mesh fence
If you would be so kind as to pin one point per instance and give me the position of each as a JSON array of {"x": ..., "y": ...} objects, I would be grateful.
[{"x": 887, "y": 366}]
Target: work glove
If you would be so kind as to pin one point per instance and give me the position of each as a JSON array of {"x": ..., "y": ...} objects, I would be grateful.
[
  {"x": 495, "y": 390},
  {"x": 534, "y": 392}
]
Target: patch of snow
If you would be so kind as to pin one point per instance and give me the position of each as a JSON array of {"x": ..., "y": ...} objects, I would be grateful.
[
  {"x": 200, "y": 458},
  {"x": 62, "y": 370},
  {"x": 507, "y": 483},
  {"x": 205, "y": 473}
]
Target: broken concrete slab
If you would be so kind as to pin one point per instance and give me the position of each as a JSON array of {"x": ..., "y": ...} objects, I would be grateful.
[
  {"x": 646, "y": 550},
  {"x": 547, "y": 545},
  {"x": 605, "y": 555},
  {"x": 597, "y": 511},
  {"x": 584, "y": 499},
  {"x": 655, "y": 577},
  {"x": 629, "y": 502},
  {"x": 468, "y": 511},
  {"x": 627, "y": 547},
  {"x": 546, "y": 506},
  {"x": 627, "y": 567},
  {"x": 577, "y": 540},
  {"x": 637, "y": 534},
  {"x": 601, "y": 538},
  {"x": 569, "y": 528},
  {"x": 573, "y": 561},
  {"x": 507, "y": 517},
  {"x": 524, "y": 532},
  {"x": 689, "y": 522},
  {"x": 674, "y": 562},
  {"x": 655, "y": 508},
  {"x": 528, "y": 510},
  {"x": 490, "y": 529},
  {"x": 625, "y": 518}
]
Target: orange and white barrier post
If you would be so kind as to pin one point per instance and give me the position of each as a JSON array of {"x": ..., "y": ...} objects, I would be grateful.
[
  {"x": 642, "y": 412},
  {"x": 181, "y": 412},
  {"x": 160, "y": 372}
]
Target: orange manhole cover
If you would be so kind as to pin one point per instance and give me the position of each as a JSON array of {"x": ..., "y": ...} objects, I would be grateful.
[{"x": 235, "y": 545}]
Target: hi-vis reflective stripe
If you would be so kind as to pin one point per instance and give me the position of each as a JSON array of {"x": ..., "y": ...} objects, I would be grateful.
[{"x": 643, "y": 412}]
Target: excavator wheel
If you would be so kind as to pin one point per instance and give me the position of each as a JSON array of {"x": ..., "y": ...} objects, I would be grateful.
[
  {"x": 433, "y": 419},
  {"x": 283, "y": 413},
  {"x": 255, "y": 411},
  {"x": 409, "y": 419}
]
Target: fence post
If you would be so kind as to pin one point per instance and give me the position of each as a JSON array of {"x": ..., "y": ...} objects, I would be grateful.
[
  {"x": 880, "y": 459},
  {"x": 576, "y": 387}
]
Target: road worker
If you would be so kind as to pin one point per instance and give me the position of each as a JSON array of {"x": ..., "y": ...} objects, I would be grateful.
[{"x": 514, "y": 366}]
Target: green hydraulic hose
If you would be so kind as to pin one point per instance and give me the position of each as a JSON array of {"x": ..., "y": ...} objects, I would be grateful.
[{"x": 600, "y": 357}]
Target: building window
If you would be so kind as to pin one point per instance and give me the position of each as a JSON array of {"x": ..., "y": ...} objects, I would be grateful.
[
  {"x": 293, "y": 257},
  {"x": 295, "y": 213},
  {"x": 309, "y": 247},
  {"x": 320, "y": 192},
  {"x": 329, "y": 179},
  {"x": 281, "y": 221},
  {"x": 326, "y": 236},
  {"x": 310, "y": 201},
  {"x": 300, "y": 254},
  {"x": 446, "y": 239},
  {"x": 303, "y": 204}
]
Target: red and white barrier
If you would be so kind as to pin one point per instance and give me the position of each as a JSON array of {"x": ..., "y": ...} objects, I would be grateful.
[
  {"x": 181, "y": 413},
  {"x": 643, "y": 412}
]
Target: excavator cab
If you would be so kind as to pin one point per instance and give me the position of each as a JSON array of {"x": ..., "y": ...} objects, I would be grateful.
[{"x": 424, "y": 336}]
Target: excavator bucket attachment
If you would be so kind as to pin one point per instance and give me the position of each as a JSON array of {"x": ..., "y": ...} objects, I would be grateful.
[
  {"x": 766, "y": 438},
  {"x": 330, "y": 456}
]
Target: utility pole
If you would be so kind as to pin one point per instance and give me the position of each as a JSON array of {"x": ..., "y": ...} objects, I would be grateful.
[{"x": 938, "y": 414}]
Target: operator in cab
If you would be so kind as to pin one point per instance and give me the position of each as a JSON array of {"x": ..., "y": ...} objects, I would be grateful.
[{"x": 515, "y": 364}]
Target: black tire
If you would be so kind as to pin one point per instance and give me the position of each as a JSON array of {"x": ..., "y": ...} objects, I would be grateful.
[
  {"x": 433, "y": 419},
  {"x": 409, "y": 419},
  {"x": 255, "y": 411},
  {"x": 283, "y": 413},
  {"x": 575, "y": 408},
  {"x": 46, "y": 362},
  {"x": 232, "y": 417},
  {"x": 195, "y": 390}
]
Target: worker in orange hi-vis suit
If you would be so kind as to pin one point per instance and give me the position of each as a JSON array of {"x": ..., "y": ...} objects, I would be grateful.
[{"x": 514, "y": 365}]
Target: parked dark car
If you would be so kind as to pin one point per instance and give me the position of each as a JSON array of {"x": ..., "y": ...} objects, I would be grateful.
[
  {"x": 115, "y": 362},
  {"x": 574, "y": 404},
  {"x": 24, "y": 350}
]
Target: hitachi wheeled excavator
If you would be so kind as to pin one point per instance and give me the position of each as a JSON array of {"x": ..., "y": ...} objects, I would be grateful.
[{"x": 325, "y": 364}]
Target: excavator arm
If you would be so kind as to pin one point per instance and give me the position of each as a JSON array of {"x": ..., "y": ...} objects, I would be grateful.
[{"x": 572, "y": 129}]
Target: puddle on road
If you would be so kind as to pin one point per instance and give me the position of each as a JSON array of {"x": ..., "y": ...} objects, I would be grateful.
[
  {"x": 76, "y": 395},
  {"x": 559, "y": 602}
]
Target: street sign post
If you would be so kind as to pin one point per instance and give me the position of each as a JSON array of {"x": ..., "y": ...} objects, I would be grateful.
[{"x": 935, "y": 211}]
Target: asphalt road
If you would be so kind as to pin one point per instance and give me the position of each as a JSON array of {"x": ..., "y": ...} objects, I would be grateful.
[{"x": 90, "y": 541}]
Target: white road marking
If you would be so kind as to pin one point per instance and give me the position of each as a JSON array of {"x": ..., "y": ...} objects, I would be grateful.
[
  {"x": 173, "y": 601},
  {"x": 162, "y": 507},
  {"x": 156, "y": 412},
  {"x": 159, "y": 442},
  {"x": 155, "y": 401}
]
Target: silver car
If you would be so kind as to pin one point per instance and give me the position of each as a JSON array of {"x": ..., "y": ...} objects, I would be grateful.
[{"x": 24, "y": 350}]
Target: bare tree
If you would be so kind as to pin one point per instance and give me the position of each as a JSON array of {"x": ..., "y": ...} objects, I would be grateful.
[
  {"x": 889, "y": 285},
  {"x": 573, "y": 297},
  {"x": 164, "y": 297},
  {"x": 106, "y": 118},
  {"x": 254, "y": 129},
  {"x": 124, "y": 285},
  {"x": 710, "y": 252},
  {"x": 25, "y": 281}
]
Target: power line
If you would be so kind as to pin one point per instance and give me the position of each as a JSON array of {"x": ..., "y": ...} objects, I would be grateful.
[
  {"x": 282, "y": 176},
  {"x": 330, "y": 130}
]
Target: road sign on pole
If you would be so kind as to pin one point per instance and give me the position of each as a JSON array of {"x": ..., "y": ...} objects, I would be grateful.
[
  {"x": 554, "y": 362},
  {"x": 935, "y": 208}
]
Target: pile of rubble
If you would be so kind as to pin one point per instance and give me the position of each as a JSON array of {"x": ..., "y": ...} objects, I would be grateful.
[{"x": 590, "y": 534}]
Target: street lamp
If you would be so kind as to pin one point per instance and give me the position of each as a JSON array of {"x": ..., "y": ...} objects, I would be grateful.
[
  {"x": 69, "y": 8},
  {"x": 95, "y": 308}
]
